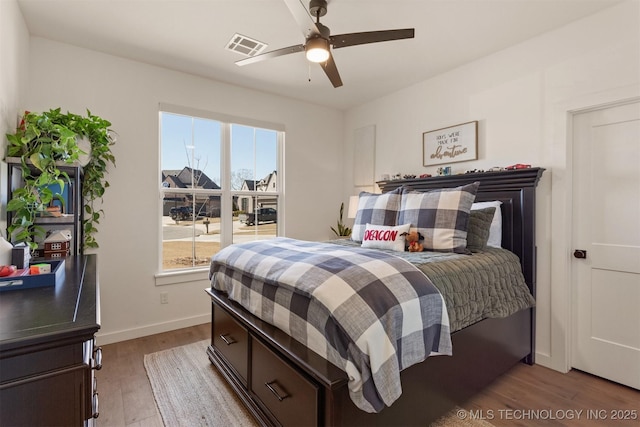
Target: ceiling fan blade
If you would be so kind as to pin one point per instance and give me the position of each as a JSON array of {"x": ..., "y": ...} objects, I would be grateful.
[
  {"x": 353, "y": 39},
  {"x": 331, "y": 71},
  {"x": 271, "y": 54},
  {"x": 302, "y": 17}
]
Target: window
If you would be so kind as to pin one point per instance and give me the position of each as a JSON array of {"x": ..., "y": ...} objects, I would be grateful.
[{"x": 220, "y": 183}]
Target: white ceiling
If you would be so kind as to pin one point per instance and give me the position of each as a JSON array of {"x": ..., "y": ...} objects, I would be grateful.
[{"x": 191, "y": 35}]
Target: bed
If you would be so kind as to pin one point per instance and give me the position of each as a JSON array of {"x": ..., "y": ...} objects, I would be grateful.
[{"x": 283, "y": 382}]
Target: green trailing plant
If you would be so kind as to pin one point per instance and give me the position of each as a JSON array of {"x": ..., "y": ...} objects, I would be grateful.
[
  {"x": 44, "y": 142},
  {"x": 341, "y": 230},
  {"x": 94, "y": 182}
]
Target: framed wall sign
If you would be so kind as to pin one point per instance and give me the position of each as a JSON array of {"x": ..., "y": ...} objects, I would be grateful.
[{"x": 449, "y": 145}]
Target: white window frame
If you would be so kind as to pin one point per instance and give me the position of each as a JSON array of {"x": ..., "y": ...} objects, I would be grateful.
[{"x": 163, "y": 277}]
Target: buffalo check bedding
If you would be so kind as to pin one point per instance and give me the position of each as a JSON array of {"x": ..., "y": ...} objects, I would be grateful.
[{"x": 368, "y": 312}]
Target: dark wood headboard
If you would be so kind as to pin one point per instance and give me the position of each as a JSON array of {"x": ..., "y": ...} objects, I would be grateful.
[{"x": 515, "y": 189}]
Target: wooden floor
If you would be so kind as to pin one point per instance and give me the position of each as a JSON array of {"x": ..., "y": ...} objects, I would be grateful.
[
  {"x": 525, "y": 396},
  {"x": 124, "y": 391}
]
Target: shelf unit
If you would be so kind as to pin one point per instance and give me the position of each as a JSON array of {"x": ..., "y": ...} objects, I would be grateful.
[{"x": 72, "y": 212}]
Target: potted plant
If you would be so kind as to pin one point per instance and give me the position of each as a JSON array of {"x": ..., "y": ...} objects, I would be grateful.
[
  {"x": 43, "y": 142},
  {"x": 341, "y": 230}
]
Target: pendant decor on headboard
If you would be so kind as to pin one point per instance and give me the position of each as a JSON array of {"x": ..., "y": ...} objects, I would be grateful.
[{"x": 451, "y": 144}]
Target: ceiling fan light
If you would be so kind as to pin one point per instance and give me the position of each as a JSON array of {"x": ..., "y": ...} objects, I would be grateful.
[{"x": 317, "y": 50}]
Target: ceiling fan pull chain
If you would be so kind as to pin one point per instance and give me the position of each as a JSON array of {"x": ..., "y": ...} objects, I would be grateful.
[{"x": 309, "y": 70}]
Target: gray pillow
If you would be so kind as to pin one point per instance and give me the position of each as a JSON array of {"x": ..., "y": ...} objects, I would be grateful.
[{"x": 478, "y": 228}]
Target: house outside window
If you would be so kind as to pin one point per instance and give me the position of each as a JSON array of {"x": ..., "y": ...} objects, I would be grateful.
[{"x": 217, "y": 173}]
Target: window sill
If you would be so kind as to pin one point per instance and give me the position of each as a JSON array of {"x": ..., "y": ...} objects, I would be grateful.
[{"x": 185, "y": 276}]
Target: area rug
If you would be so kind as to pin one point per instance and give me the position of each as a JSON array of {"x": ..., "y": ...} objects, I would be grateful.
[{"x": 189, "y": 392}]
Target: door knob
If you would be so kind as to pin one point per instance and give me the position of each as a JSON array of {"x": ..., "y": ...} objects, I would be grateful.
[{"x": 580, "y": 253}]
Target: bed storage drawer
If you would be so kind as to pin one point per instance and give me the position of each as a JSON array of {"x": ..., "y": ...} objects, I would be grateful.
[
  {"x": 232, "y": 341},
  {"x": 286, "y": 393}
]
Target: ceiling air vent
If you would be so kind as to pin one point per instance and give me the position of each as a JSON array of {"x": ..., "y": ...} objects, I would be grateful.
[{"x": 245, "y": 46}]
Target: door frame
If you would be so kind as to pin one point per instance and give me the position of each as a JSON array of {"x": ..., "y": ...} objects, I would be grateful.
[{"x": 562, "y": 280}]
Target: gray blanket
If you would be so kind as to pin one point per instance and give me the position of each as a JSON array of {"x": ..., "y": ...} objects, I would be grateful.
[
  {"x": 483, "y": 285},
  {"x": 370, "y": 313}
]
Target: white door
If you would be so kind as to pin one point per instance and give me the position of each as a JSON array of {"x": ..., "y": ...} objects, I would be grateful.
[{"x": 606, "y": 224}]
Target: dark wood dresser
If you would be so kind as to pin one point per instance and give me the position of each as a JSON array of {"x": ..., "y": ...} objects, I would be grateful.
[{"x": 48, "y": 354}]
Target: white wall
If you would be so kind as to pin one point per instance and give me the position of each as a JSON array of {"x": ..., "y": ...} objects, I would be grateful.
[
  {"x": 127, "y": 93},
  {"x": 14, "y": 54},
  {"x": 521, "y": 97}
]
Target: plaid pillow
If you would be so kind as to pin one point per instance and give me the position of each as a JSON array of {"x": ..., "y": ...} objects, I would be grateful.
[
  {"x": 376, "y": 209},
  {"x": 441, "y": 216}
]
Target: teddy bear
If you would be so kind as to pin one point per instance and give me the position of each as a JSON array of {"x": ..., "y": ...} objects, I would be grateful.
[{"x": 412, "y": 241}]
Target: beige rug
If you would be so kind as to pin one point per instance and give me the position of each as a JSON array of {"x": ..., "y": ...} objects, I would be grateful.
[{"x": 190, "y": 392}]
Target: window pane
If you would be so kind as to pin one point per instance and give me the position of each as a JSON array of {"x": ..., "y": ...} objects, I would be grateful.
[
  {"x": 259, "y": 220},
  {"x": 190, "y": 159},
  {"x": 190, "y": 240},
  {"x": 191, "y": 142},
  {"x": 253, "y": 158}
]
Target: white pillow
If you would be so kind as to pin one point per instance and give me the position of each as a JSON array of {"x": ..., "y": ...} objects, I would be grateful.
[
  {"x": 495, "y": 231},
  {"x": 385, "y": 237}
]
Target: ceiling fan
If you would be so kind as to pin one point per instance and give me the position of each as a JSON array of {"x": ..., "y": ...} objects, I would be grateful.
[{"x": 318, "y": 39}]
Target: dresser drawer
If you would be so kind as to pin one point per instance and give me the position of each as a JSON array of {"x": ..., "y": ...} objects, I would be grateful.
[
  {"x": 44, "y": 359},
  {"x": 232, "y": 341},
  {"x": 286, "y": 393}
]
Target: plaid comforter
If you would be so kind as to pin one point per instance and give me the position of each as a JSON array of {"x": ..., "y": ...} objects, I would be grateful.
[{"x": 368, "y": 312}]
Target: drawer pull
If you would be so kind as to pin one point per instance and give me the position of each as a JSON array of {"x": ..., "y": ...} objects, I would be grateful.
[
  {"x": 227, "y": 341},
  {"x": 273, "y": 390},
  {"x": 96, "y": 409},
  {"x": 98, "y": 358}
]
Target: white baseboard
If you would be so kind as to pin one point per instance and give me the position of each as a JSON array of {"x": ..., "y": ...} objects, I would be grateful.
[
  {"x": 156, "y": 328},
  {"x": 548, "y": 362},
  {"x": 543, "y": 359}
]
